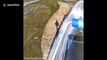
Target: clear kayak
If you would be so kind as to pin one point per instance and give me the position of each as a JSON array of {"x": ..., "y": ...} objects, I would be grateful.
[{"x": 65, "y": 47}]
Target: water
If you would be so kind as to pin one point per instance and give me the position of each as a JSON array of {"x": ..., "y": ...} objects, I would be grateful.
[
  {"x": 34, "y": 26},
  {"x": 75, "y": 47},
  {"x": 75, "y": 51}
]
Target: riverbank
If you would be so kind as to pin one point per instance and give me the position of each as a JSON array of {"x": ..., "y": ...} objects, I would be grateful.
[{"x": 50, "y": 28}]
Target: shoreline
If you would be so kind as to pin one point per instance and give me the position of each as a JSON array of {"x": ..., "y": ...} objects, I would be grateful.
[{"x": 50, "y": 28}]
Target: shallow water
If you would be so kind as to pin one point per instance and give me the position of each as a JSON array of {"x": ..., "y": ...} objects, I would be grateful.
[
  {"x": 36, "y": 16},
  {"x": 34, "y": 23},
  {"x": 76, "y": 48}
]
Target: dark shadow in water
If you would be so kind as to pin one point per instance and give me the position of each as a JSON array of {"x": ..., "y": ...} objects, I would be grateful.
[{"x": 75, "y": 50}]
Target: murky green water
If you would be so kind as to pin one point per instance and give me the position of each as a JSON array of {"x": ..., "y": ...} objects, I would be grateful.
[
  {"x": 79, "y": 37},
  {"x": 68, "y": 1},
  {"x": 34, "y": 23}
]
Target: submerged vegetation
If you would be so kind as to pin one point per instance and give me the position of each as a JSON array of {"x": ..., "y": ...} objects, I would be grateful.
[
  {"x": 36, "y": 16},
  {"x": 34, "y": 23}
]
